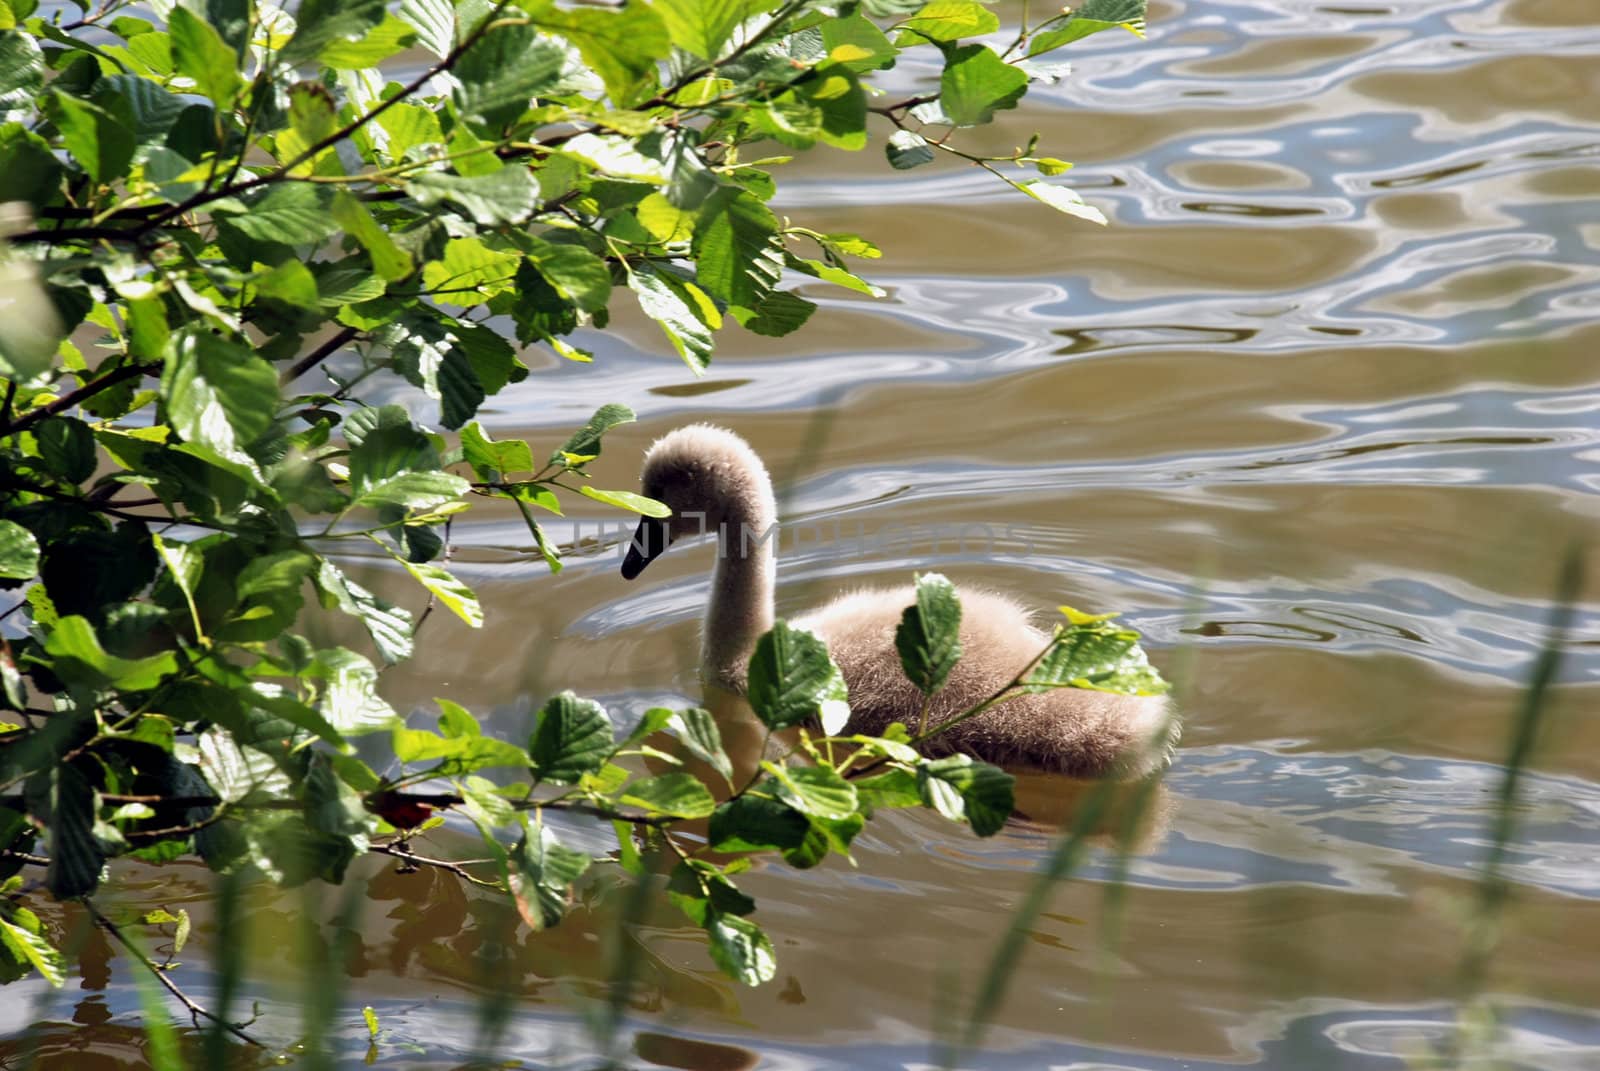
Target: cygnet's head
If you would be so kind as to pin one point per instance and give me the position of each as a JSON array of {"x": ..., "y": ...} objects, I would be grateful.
[{"x": 709, "y": 477}]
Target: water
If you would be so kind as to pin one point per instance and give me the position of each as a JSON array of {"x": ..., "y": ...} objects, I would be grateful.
[{"x": 1320, "y": 404}]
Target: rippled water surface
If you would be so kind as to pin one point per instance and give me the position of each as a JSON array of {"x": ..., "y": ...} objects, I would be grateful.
[{"x": 1320, "y": 409}]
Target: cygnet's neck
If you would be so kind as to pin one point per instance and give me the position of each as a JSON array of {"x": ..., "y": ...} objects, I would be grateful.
[{"x": 742, "y": 587}]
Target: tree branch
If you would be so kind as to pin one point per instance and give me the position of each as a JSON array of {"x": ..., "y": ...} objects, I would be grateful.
[
  {"x": 72, "y": 398},
  {"x": 196, "y": 1012}
]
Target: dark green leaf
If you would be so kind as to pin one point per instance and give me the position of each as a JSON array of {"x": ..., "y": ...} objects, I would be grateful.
[
  {"x": 929, "y": 635},
  {"x": 79, "y": 657},
  {"x": 696, "y": 728},
  {"x": 792, "y": 679},
  {"x": 907, "y": 150},
  {"x": 976, "y": 83},
  {"x": 818, "y": 791},
  {"x": 586, "y": 441},
  {"x": 575, "y": 273},
  {"x": 95, "y": 138},
  {"x": 573, "y": 737},
  {"x": 959, "y": 788},
  {"x": 501, "y": 74},
  {"x": 75, "y": 855},
  {"x": 319, "y": 23},
  {"x": 754, "y": 824},
  {"x": 680, "y": 795},
  {"x": 1094, "y": 653},
  {"x": 292, "y": 213},
  {"x": 1091, "y": 17},
  {"x": 543, "y": 870}
]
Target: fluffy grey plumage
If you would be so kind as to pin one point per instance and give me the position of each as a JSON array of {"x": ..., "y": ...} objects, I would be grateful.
[{"x": 715, "y": 482}]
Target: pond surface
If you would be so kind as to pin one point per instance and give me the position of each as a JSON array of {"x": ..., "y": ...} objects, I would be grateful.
[{"x": 1319, "y": 410}]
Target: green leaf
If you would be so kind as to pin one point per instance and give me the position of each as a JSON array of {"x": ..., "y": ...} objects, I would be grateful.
[
  {"x": 389, "y": 626},
  {"x": 219, "y": 394},
  {"x": 492, "y": 460},
  {"x": 841, "y": 103},
  {"x": 501, "y": 74},
  {"x": 906, "y": 150},
  {"x": 508, "y": 195},
  {"x": 1094, "y": 653},
  {"x": 434, "y": 21},
  {"x": 576, "y": 274},
  {"x": 928, "y": 637},
  {"x": 976, "y": 83},
  {"x": 1062, "y": 199},
  {"x": 19, "y": 552},
  {"x": 686, "y": 315},
  {"x": 736, "y": 248},
  {"x": 413, "y": 490},
  {"x": 67, "y": 446},
  {"x": 290, "y": 213},
  {"x": 680, "y": 795},
  {"x": 741, "y": 949},
  {"x": 948, "y": 20},
  {"x": 818, "y": 791},
  {"x": 895, "y": 788},
  {"x": 350, "y": 700},
  {"x": 857, "y": 43},
  {"x": 959, "y": 788},
  {"x": 319, "y": 23},
  {"x": 586, "y": 441},
  {"x": 702, "y": 26},
  {"x": 312, "y": 115},
  {"x": 627, "y": 500},
  {"x": 24, "y": 939},
  {"x": 199, "y": 51},
  {"x": 783, "y": 313},
  {"x": 792, "y": 679},
  {"x": 573, "y": 737},
  {"x": 21, "y": 69},
  {"x": 456, "y": 596},
  {"x": 621, "y": 46},
  {"x": 95, "y": 138},
  {"x": 457, "y": 755},
  {"x": 1091, "y": 17},
  {"x": 830, "y": 274},
  {"x": 78, "y": 656},
  {"x": 696, "y": 729},
  {"x": 755, "y": 824},
  {"x": 469, "y": 273},
  {"x": 543, "y": 870},
  {"x": 389, "y": 37},
  {"x": 388, "y": 260}
]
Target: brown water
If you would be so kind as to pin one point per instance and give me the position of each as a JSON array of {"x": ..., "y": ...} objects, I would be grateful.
[{"x": 1320, "y": 406}]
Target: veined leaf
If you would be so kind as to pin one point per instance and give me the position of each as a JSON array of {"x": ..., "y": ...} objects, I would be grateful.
[
  {"x": 219, "y": 395},
  {"x": 948, "y": 20},
  {"x": 976, "y": 83},
  {"x": 680, "y": 795},
  {"x": 741, "y": 949},
  {"x": 199, "y": 51},
  {"x": 543, "y": 870},
  {"x": 792, "y": 677},
  {"x": 1090, "y": 17},
  {"x": 702, "y": 26},
  {"x": 292, "y": 213},
  {"x": 389, "y": 626},
  {"x": 685, "y": 314},
  {"x": 959, "y": 788},
  {"x": 736, "y": 248},
  {"x": 818, "y": 791},
  {"x": 906, "y": 150},
  {"x": 508, "y": 195},
  {"x": 573, "y": 737},
  {"x": 457, "y": 597},
  {"x": 19, "y": 551},
  {"x": 928, "y": 637},
  {"x": 320, "y": 23},
  {"x": 586, "y": 441},
  {"x": 1063, "y": 199},
  {"x": 23, "y": 936}
]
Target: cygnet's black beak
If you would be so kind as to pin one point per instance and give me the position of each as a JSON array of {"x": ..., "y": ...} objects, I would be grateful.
[{"x": 649, "y": 540}]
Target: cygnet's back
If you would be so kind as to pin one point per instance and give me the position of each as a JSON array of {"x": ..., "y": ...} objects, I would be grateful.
[{"x": 1072, "y": 731}]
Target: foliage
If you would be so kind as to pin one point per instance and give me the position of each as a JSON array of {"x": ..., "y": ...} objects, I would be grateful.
[{"x": 204, "y": 211}]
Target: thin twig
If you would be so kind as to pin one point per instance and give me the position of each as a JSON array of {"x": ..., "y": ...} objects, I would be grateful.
[
  {"x": 195, "y": 1010},
  {"x": 457, "y": 868},
  {"x": 72, "y": 398},
  {"x": 335, "y": 343}
]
